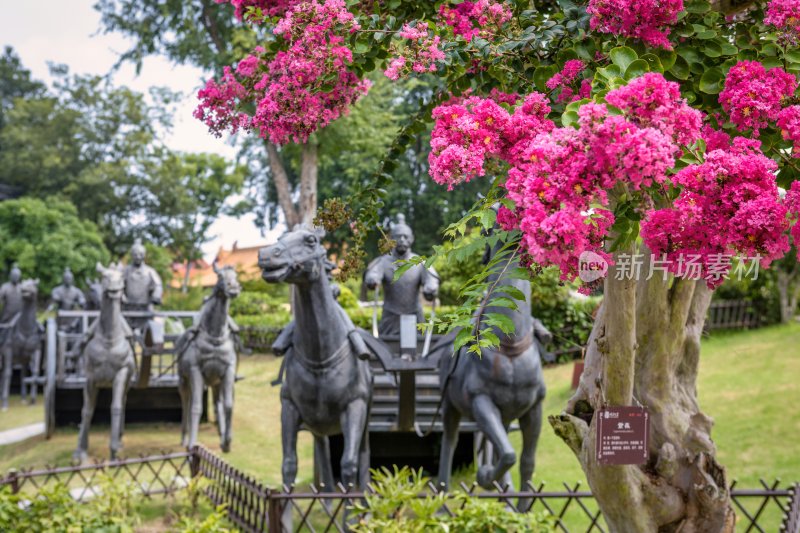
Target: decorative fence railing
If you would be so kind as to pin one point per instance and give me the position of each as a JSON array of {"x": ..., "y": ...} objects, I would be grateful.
[
  {"x": 731, "y": 314},
  {"x": 253, "y": 507}
]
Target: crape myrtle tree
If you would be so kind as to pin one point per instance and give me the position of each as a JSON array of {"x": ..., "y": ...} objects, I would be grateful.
[{"x": 605, "y": 130}]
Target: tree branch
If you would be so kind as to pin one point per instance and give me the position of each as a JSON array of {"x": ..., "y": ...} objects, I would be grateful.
[{"x": 282, "y": 185}]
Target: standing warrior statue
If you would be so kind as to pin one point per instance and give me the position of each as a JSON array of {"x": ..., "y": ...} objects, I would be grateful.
[
  {"x": 11, "y": 299},
  {"x": 400, "y": 297},
  {"x": 67, "y": 297},
  {"x": 143, "y": 287}
]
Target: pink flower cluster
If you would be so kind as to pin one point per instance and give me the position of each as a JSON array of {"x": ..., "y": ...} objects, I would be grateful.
[
  {"x": 564, "y": 174},
  {"x": 753, "y": 96},
  {"x": 470, "y": 131},
  {"x": 646, "y": 20},
  {"x": 475, "y": 18},
  {"x": 785, "y": 15},
  {"x": 728, "y": 204},
  {"x": 420, "y": 55},
  {"x": 565, "y": 80},
  {"x": 298, "y": 90},
  {"x": 559, "y": 177},
  {"x": 788, "y": 122},
  {"x": 271, "y": 8},
  {"x": 792, "y": 203},
  {"x": 650, "y": 101}
]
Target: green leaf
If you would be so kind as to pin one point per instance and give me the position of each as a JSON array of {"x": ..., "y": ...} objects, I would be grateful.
[
  {"x": 667, "y": 58},
  {"x": 680, "y": 69},
  {"x": 569, "y": 118},
  {"x": 793, "y": 55},
  {"x": 711, "y": 81},
  {"x": 622, "y": 56},
  {"x": 697, "y": 6},
  {"x": 653, "y": 62},
  {"x": 636, "y": 69},
  {"x": 713, "y": 49}
]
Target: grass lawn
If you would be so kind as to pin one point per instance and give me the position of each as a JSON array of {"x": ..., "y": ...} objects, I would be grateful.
[{"x": 748, "y": 384}]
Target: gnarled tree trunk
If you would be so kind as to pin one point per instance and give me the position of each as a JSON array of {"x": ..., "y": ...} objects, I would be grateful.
[{"x": 644, "y": 349}]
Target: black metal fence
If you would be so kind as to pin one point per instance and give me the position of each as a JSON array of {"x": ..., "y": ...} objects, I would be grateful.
[{"x": 253, "y": 507}]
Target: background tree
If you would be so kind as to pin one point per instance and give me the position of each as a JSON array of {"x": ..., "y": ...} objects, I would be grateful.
[
  {"x": 185, "y": 195},
  {"x": 46, "y": 236},
  {"x": 100, "y": 148}
]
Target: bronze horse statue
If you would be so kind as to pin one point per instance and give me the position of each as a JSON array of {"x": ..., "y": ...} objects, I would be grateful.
[
  {"x": 503, "y": 384},
  {"x": 328, "y": 383},
  {"x": 23, "y": 343},
  {"x": 207, "y": 355},
  {"x": 108, "y": 361}
]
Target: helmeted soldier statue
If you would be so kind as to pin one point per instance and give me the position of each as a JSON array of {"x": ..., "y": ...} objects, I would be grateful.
[
  {"x": 400, "y": 297},
  {"x": 67, "y": 297},
  {"x": 11, "y": 300},
  {"x": 143, "y": 287}
]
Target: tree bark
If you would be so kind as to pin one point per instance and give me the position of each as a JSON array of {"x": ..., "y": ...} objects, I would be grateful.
[
  {"x": 308, "y": 183},
  {"x": 644, "y": 349},
  {"x": 788, "y": 292},
  {"x": 185, "y": 286},
  {"x": 304, "y": 211}
]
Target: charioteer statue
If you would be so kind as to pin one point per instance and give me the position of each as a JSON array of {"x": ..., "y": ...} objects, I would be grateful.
[
  {"x": 143, "y": 287},
  {"x": 400, "y": 297},
  {"x": 67, "y": 297},
  {"x": 11, "y": 300}
]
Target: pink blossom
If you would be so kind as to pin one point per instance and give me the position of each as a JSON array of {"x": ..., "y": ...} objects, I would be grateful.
[
  {"x": 565, "y": 79},
  {"x": 785, "y": 15},
  {"x": 753, "y": 96},
  {"x": 297, "y": 91},
  {"x": 420, "y": 55},
  {"x": 788, "y": 122},
  {"x": 792, "y": 203},
  {"x": 469, "y": 131},
  {"x": 715, "y": 139},
  {"x": 473, "y": 18},
  {"x": 646, "y": 20},
  {"x": 652, "y": 101},
  {"x": 728, "y": 204}
]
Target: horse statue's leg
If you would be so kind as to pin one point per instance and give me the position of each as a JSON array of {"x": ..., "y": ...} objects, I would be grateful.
[
  {"x": 89, "y": 403},
  {"x": 488, "y": 419},
  {"x": 450, "y": 421},
  {"x": 215, "y": 401},
  {"x": 364, "y": 455},
  {"x": 530, "y": 424},
  {"x": 23, "y": 387},
  {"x": 119, "y": 393},
  {"x": 290, "y": 425},
  {"x": 354, "y": 423},
  {"x": 196, "y": 409},
  {"x": 36, "y": 361},
  {"x": 323, "y": 469},
  {"x": 226, "y": 408},
  {"x": 186, "y": 404},
  {"x": 7, "y": 371}
]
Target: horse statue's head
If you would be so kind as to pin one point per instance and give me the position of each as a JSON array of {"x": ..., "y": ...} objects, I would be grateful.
[
  {"x": 112, "y": 281},
  {"x": 29, "y": 289},
  {"x": 227, "y": 281},
  {"x": 298, "y": 257}
]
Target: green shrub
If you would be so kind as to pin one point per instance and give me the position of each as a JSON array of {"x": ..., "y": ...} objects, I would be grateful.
[
  {"x": 347, "y": 299},
  {"x": 257, "y": 303},
  {"x": 176, "y": 300},
  {"x": 402, "y": 503},
  {"x": 53, "y": 509}
]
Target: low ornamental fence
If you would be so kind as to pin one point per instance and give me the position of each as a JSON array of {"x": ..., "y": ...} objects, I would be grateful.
[
  {"x": 254, "y": 507},
  {"x": 731, "y": 314}
]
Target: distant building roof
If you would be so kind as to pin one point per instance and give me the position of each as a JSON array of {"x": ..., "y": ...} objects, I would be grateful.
[{"x": 244, "y": 260}]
